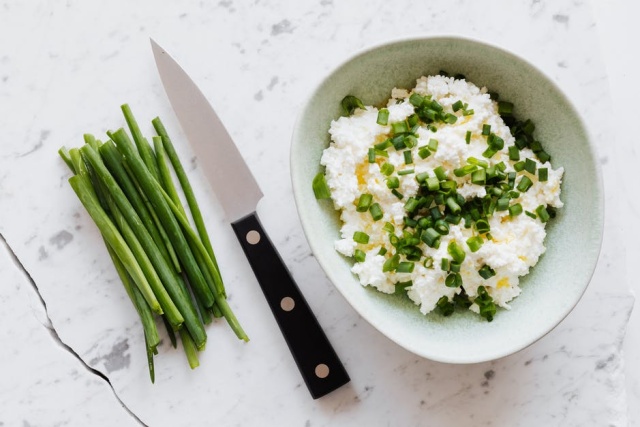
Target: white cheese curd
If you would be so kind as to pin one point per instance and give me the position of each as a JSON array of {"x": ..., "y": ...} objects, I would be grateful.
[{"x": 515, "y": 239}]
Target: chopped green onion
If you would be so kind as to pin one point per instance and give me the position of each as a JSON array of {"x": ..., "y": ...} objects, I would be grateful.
[
  {"x": 383, "y": 145},
  {"x": 432, "y": 128},
  {"x": 450, "y": 118},
  {"x": 399, "y": 127},
  {"x": 431, "y": 237},
  {"x": 536, "y": 146},
  {"x": 474, "y": 243},
  {"x": 489, "y": 153},
  {"x": 405, "y": 172},
  {"x": 514, "y": 153},
  {"x": 524, "y": 184},
  {"x": 382, "y": 153},
  {"x": 410, "y": 141},
  {"x": 422, "y": 177},
  {"x": 398, "y": 194},
  {"x": 361, "y": 237},
  {"x": 479, "y": 177},
  {"x": 528, "y": 127},
  {"x": 502, "y": 204},
  {"x": 530, "y": 166},
  {"x": 350, "y": 103},
  {"x": 445, "y": 264},
  {"x": 458, "y": 105},
  {"x": 433, "y": 144},
  {"x": 477, "y": 162},
  {"x": 433, "y": 184},
  {"x": 496, "y": 143},
  {"x": 393, "y": 182},
  {"x": 441, "y": 226},
  {"x": 405, "y": 267},
  {"x": 465, "y": 170},
  {"x": 486, "y": 129},
  {"x": 407, "y": 157},
  {"x": 387, "y": 169},
  {"x": 441, "y": 173},
  {"x": 445, "y": 307},
  {"x": 413, "y": 120},
  {"x": 453, "y": 280},
  {"x": 359, "y": 255},
  {"x": 505, "y": 108},
  {"x": 543, "y": 174},
  {"x": 531, "y": 214},
  {"x": 515, "y": 209},
  {"x": 376, "y": 211},
  {"x": 467, "y": 137},
  {"x": 482, "y": 226},
  {"x": 391, "y": 264},
  {"x": 456, "y": 251},
  {"x": 371, "y": 155},
  {"x": 388, "y": 227},
  {"x": 543, "y": 156},
  {"x": 543, "y": 214},
  {"x": 468, "y": 112},
  {"x": 424, "y": 152},
  {"x": 453, "y": 206},
  {"x": 416, "y": 99},
  {"x": 320, "y": 187},
  {"x": 382, "y": 251},
  {"x": 383, "y": 117},
  {"x": 411, "y": 205},
  {"x": 486, "y": 272},
  {"x": 519, "y": 167},
  {"x": 364, "y": 202}
]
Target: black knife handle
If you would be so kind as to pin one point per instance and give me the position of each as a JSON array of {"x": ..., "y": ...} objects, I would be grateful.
[{"x": 316, "y": 359}]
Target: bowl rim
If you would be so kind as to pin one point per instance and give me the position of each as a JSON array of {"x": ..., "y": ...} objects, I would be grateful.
[{"x": 306, "y": 225}]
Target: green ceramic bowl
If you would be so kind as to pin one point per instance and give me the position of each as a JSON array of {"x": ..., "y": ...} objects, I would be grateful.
[{"x": 554, "y": 285}]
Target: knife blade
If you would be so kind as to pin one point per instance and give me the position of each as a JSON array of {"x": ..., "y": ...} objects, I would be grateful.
[{"x": 220, "y": 159}]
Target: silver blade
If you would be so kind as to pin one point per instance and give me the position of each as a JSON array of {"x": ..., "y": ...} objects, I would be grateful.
[{"x": 218, "y": 156}]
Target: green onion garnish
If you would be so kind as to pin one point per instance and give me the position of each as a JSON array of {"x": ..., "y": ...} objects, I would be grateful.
[
  {"x": 530, "y": 166},
  {"x": 361, "y": 237},
  {"x": 467, "y": 137},
  {"x": 398, "y": 194},
  {"x": 486, "y": 130},
  {"x": 543, "y": 174},
  {"x": 505, "y": 108},
  {"x": 382, "y": 251},
  {"x": 543, "y": 156},
  {"x": 393, "y": 182},
  {"x": 350, "y": 104},
  {"x": 376, "y": 211},
  {"x": 453, "y": 205},
  {"x": 453, "y": 280},
  {"x": 401, "y": 287},
  {"x": 413, "y": 120},
  {"x": 456, "y": 251},
  {"x": 399, "y": 127},
  {"x": 431, "y": 237},
  {"x": 410, "y": 141},
  {"x": 458, "y": 105},
  {"x": 424, "y": 152},
  {"x": 531, "y": 214},
  {"x": 364, "y": 202},
  {"x": 405, "y": 172},
  {"x": 359, "y": 255},
  {"x": 405, "y": 267},
  {"x": 432, "y": 144},
  {"x": 486, "y": 272},
  {"x": 411, "y": 205},
  {"x": 407, "y": 157},
  {"x": 479, "y": 177},
  {"x": 450, "y": 118},
  {"x": 502, "y": 204},
  {"x": 441, "y": 226},
  {"x": 371, "y": 155},
  {"x": 445, "y": 307},
  {"x": 320, "y": 187},
  {"x": 489, "y": 153},
  {"x": 515, "y": 209},
  {"x": 445, "y": 264},
  {"x": 391, "y": 264},
  {"x": 482, "y": 226},
  {"x": 416, "y": 99},
  {"x": 524, "y": 184},
  {"x": 387, "y": 169},
  {"x": 383, "y": 145},
  {"x": 543, "y": 214},
  {"x": 465, "y": 170},
  {"x": 514, "y": 153},
  {"x": 433, "y": 184},
  {"x": 388, "y": 227},
  {"x": 519, "y": 167},
  {"x": 422, "y": 177},
  {"x": 382, "y": 153},
  {"x": 440, "y": 171},
  {"x": 383, "y": 117},
  {"x": 474, "y": 243}
]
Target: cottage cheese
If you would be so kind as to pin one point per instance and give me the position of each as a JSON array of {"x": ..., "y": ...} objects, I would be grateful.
[{"x": 515, "y": 243}]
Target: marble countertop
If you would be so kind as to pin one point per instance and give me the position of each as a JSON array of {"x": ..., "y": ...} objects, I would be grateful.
[{"x": 72, "y": 349}]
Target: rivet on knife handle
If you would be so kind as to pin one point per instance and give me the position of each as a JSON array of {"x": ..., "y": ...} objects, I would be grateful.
[{"x": 319, "y": 365}]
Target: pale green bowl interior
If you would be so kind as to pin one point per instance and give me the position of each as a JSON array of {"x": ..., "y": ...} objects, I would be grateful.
[{"x": 560, "y": 278}]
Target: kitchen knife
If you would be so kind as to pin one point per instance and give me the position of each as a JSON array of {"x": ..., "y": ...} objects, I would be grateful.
[{"x": 219, "y": 160}]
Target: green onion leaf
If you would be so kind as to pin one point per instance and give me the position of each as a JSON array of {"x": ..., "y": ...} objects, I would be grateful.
[
  {"x": 387, "y": 169},
  {"x": 359, "y": 255},
  {"x": 543, "y": 214},
  {"x": 524, "y": 184},
  {"x": 393, "y": 182},
  {"x": 543, "y": 174},
  {"x": 376, "y": 211},
  {"x": 486, "y": 272},
  {"x": 505, "y": 108},
  {"x": 514, "y": 153},
  {"x": 515, "y": 209},
  {"x": 364, "y": 202},
  {"x": 350, "y": 103},
  {"x": 391, "y": 264},
  {"x": 474, "y": 243},
  {"x": 371, "y": 155},
  {"x": 320, "y": 187},
  {"x": 407, "y": 157},
  {"x": 405, "y": 172},
  {"x": 456, "y": 251},
  {"x": 383, "y": 117},
  {"x": 361, "y": 237},
  {"x": 467, "y": 137},
  {"x": 405, "y": 267},
  {"x": 433, "y": 144},
  {"x": 458, "y": 105},
  {"x": 530, "y": 166}
]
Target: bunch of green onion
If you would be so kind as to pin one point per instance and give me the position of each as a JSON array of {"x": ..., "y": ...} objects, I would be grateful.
[{"x": 168, "y": 269}]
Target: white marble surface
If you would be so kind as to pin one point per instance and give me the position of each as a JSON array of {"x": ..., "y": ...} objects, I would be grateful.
[{"x": 65, "y": 67}]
